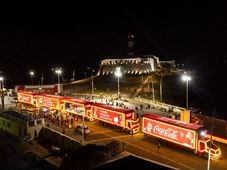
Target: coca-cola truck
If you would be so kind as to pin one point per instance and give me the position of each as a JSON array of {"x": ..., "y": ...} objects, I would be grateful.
[
  {"x": 77, "y": 107},
  {"x": 187, "y": 135},
  {"x": 49, "y": 101},
  {"x": 27, "y": 100},
  {"x": 124, "y": 118}
]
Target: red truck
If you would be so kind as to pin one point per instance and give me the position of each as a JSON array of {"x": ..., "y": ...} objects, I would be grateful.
[
  {"x": 27, "y": 100},
  {"x": 49, "y": 101},
  {"x": 77, "y": 107},
  {"x": 187, "y": 135},
  {"x": 116, "y": 116}
]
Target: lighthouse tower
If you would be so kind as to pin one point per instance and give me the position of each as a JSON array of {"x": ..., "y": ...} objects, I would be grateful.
[{"x": 130, "y": 44}]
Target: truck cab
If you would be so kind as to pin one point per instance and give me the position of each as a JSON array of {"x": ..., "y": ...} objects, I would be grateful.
[
  {"x": 205, "y": 145},
  {"x": 132, "y": 125}
]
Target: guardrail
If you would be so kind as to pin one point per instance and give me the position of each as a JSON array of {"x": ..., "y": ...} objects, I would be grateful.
[{"x": 159, "y": 105}]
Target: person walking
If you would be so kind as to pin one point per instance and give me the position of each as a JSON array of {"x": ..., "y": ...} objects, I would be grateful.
[
  {"x": 158, "y": 147},
  {"x": 123, "y": 146}
]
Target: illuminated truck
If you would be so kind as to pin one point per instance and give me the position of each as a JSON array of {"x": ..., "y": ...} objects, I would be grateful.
[
  {"x": 49, "y": 102},
  {"x": 77, "y": 107},
  {"x": 27, "y": 100},
  {"x": 123, "y": 118},
  {"x": 187, "y": 135}
]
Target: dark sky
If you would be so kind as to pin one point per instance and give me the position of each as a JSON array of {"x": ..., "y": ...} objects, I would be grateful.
[{"x": 76, "y": 39}]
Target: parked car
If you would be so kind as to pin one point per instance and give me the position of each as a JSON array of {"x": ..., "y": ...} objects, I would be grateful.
[{"x": 79, "y": 129}]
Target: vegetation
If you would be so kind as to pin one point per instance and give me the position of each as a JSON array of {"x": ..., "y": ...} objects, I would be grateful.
[
  {"x": 133, "y": 85},
  {"x": 89, "y": 156},
  {"x": 114, "y": 147},
  {"x": 163, "y": 70}
]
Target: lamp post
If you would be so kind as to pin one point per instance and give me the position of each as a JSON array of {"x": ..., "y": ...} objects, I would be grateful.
[
  {"x": 118, "y": 73},
  {"x": 92, "y": 83},
  {"x": 2, "y": 92},
  {"x": 83, "y": 133},
  {"x": 53, "y": 70},
  {"x": 42, "y": 79},
  {"x": 153, "y": 96},
  {"x": 186, "y": 78},
  {"x": 32, "y": 75},
  {"x": 58, "y": 71}
]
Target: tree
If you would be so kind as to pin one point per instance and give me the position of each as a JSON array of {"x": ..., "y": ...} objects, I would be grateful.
[
  {"x": 89, "y": 156},
  {"x": 115, "y": 147},
  {"x": 86, "y": 157}
]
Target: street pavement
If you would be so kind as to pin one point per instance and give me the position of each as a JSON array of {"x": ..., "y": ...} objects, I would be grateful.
[{"x": 146, "y": 147}]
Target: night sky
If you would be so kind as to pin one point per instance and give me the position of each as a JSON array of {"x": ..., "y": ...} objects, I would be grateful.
[{"x": 80, "y": 38}]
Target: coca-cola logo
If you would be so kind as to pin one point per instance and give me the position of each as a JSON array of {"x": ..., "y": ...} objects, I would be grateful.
[
  {"x": 24, "y": 98},
  {"x": 168, "y": 132}
]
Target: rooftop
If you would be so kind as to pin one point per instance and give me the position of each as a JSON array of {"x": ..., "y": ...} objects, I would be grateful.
[
  {"x": 16, "y": 114},
  {"x": 127, "y": 160}
]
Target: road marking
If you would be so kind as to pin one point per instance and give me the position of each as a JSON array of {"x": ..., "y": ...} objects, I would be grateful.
[
  {"x": 111, "y": 137},
  {"x": 98, "y": 132},
  {"x": 141, "y": 148},
  {"x": 185, "y": 166},
  {"x": 108, "y": 138},
  {"x": 130, "y": 144}
]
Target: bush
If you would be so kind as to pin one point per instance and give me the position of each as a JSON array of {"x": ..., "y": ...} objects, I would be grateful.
[
  {"x": 86, "y": 157},
  {"x": 114, "y": 147}
]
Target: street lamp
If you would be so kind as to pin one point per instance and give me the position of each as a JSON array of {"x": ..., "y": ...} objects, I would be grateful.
[
  {"x": 83, "y": 129},
  {"x": 186, "y": 78},
  {"x": 32, "y": 75},
  {"x": 118, "y": 73},
  {"x": 153, "y": 95},
  {"x": 92, "y": 83},
  {"x": 58, "y": 71},
  {"x": 42, "y": 79},
  {"x": 2, "y": 92}
]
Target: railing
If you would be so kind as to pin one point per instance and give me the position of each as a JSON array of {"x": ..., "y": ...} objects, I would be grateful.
[{"x": 159, "y": 105}]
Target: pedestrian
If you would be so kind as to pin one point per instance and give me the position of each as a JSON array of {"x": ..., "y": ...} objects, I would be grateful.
[
  {"x": 123, "y": 146},
  {"x": 84, "y": 133},
  {"x": 159, "y": 146},
  {"x": 35, "y": 134}
]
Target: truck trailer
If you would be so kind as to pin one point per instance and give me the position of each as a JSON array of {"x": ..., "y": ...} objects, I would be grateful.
[
  {"x": 124, "y": 118},
  {"x": 77, "y": 107},
  {"x": 27, "y": 100},
  {"x": 48, "y": 101},
  {"x": 187, "y": 135}
]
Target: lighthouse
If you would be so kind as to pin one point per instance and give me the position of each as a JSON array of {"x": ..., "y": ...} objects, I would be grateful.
[{"x": 130, "y": 44}]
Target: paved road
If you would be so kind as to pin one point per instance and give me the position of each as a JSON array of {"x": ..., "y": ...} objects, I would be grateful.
[{"x": 146, "y": 147}]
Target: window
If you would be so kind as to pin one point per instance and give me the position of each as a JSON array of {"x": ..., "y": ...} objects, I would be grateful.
[
  {"x": 31, "y": 123},
  {"x": 129, "y": 125},
  {"x": 39, "y": 121},
  {"x": 202, "y": 146}
]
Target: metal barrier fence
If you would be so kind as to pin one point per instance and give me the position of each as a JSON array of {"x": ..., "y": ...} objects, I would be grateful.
[{"x": 162, "y": 106}]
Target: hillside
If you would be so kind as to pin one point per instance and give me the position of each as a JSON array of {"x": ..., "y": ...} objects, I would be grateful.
[{"x": 173, "y": 91}]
